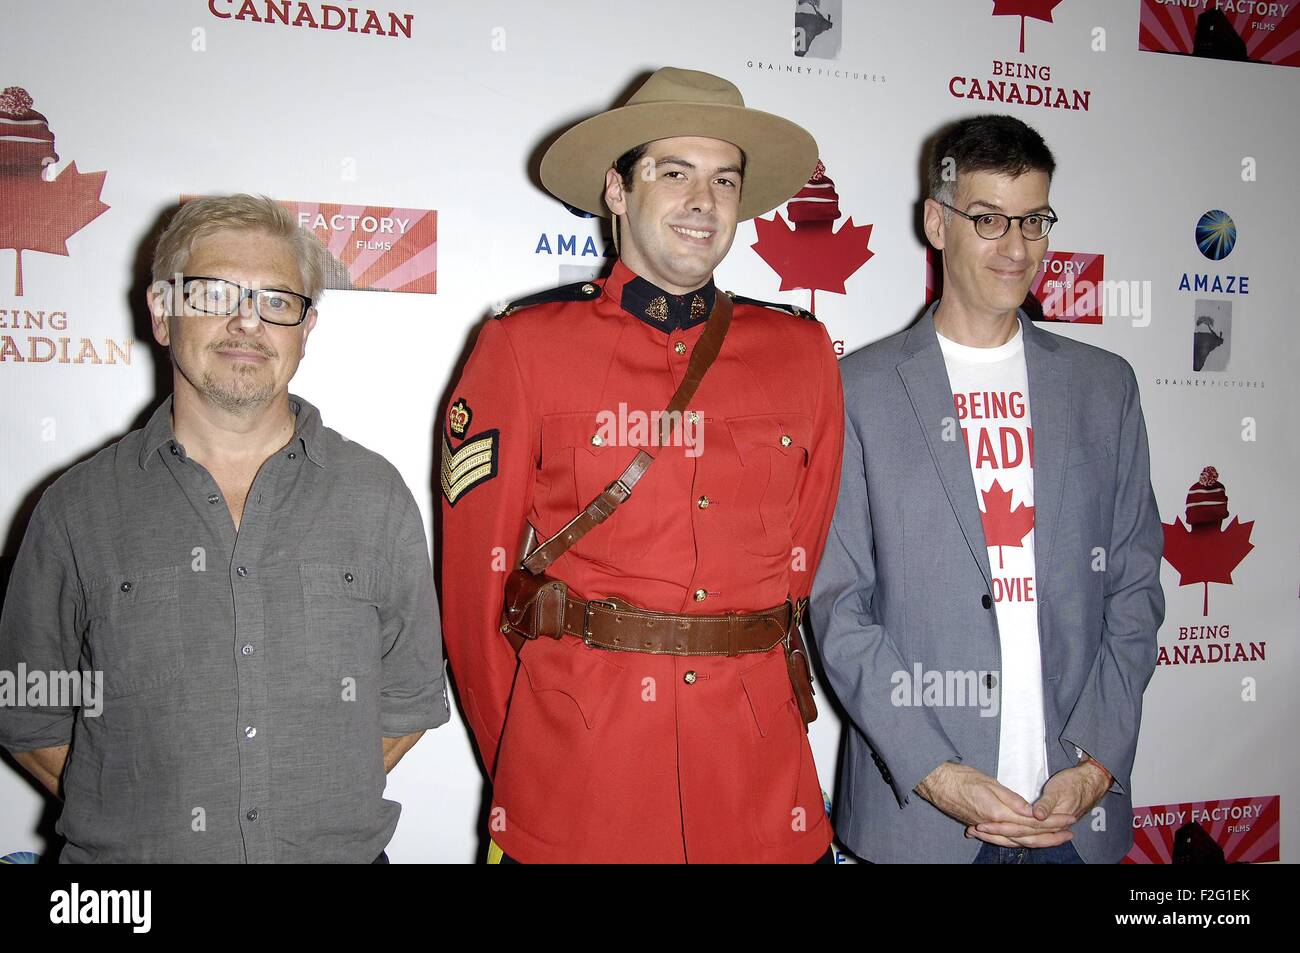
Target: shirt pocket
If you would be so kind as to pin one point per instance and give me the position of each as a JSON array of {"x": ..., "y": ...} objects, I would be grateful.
[
  {"x": 773, "y": 451},
  {"x": 133, "y": 630},
  {"x": 578, "y": 460},
  {"x": 341, "y": 613}
]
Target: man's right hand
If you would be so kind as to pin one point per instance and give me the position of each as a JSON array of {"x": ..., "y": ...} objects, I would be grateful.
[
  {"x": 45, "y": 765},
  {"x": 972, "y": 797}
]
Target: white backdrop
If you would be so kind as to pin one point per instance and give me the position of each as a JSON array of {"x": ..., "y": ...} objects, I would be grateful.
[{"x": 180, "y": 97}]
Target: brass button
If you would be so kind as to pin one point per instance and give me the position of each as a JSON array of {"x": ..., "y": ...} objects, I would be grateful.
[
  {"x": 589, "y": 289},
  {"x": 703, "y": 503},
  {"x": 680, "y": 347},
  {"x": 597, "y": 440},
  {"x": 785, "y": 440},
  {"x": 689, "y": 678},
  {"x": 693, "y": 416},
  {"x": 700, "y": 595}
]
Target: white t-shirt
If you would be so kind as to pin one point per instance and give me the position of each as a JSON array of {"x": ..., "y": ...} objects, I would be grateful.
[{"x": 990, "y": 387}]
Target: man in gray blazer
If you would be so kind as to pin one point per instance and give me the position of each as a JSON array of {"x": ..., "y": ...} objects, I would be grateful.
[{"x": 987, "y": 605}]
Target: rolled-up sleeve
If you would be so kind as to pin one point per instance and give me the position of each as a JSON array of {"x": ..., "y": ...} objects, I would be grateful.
[
  {"x": 414, "y": 693},
  {"x": 41, "y": 631}
]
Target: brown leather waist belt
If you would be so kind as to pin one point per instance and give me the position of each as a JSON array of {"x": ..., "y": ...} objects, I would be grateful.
[{"x": 619, "y": 626}]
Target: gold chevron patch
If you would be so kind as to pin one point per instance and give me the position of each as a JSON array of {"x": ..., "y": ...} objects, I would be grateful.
[{"x": 472, "y": 463}]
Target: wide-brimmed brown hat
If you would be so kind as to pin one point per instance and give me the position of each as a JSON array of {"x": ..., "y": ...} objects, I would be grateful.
[{"x": 779, "y": 155}]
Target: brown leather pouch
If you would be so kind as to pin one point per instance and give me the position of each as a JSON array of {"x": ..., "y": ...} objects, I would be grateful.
[
  {"x": 796, "y": 662},
  {"x": 801, "y": 678},
  {"x": 533, "y": 606}
]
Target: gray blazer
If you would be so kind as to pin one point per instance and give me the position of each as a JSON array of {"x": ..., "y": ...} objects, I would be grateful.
[{"x": 905, "y": 581}]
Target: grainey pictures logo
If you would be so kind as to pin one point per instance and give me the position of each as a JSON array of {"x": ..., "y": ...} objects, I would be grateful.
[
  {"x": 1021, "y": 82},
  {"x": 42, "y": 207},
  {"x": 818, "y": 25},
  {"x": 809, "y": 45},
  {"x": 1243, "y": 830},
  {"x": 1204, "y": 551}
]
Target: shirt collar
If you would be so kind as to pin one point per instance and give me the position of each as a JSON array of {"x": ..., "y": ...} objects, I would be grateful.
[
  {"x": 660, "y": 309},
  {"x": 308, "y": 431}
]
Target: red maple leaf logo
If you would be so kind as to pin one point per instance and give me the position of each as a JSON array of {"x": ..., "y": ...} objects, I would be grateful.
[
  {"x": 36, "y": 215},
  {"x": 818, "y": 259},
  {"x": 1205, "y": 553},
  {"x": 1004, "y": 526},
  {"x": 1037, "y": 9}
]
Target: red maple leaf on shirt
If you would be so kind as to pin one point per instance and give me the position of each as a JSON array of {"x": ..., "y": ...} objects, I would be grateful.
[
  {"x": 36, "y": 215},
  {"x": 1206, "y": 553},
  {"x": 1037, "y": 9},
  {"x": 1004, "y": 526},
  {"x": 814, "y": 258}
]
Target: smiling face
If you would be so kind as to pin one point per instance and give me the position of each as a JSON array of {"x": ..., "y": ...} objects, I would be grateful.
[
  {"x": 988, "y": 279},
  {"x": 239, "y": 363},
  {"x": 678, "y": 219}
]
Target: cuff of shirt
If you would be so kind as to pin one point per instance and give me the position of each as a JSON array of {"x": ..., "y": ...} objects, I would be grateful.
[
  {"x": 27, "y": 729},
  {"x": 403, "y": 715}
]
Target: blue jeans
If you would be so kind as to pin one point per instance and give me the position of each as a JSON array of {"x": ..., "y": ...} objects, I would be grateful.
[{"x": 1061, "y": 854}]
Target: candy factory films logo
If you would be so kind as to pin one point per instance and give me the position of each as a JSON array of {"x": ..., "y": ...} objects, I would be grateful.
[
  {"x": 315, "y": 16},
  {"x": 1068, "y": 287},
  {"x": 808, "y": 253},
  {"x": 1216, "y": 235},
  {"x": 372, "y": 247},
  {"x": 1248, "y": 31},
  {"x": 39, "y": 211},
  {"x": 1017, "y": 81},
  {"x": 1244, "y": 830}
]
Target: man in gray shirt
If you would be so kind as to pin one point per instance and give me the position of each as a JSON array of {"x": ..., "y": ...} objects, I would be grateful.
[{"x": 250, "y": 591}]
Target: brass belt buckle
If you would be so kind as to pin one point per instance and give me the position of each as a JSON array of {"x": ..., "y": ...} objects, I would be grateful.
[{"x": 586, "y": 618}]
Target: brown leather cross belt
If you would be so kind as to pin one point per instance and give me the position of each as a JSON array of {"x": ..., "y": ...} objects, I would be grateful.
[{"x": 622, "y": 627}]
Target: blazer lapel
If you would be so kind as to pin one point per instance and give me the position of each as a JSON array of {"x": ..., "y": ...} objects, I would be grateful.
[
  {"x": 925, "y": 377},
  {"x": 1049, "y": 412}
]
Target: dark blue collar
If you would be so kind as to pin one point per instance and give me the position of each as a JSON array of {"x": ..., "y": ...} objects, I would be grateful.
[{"x": 667, "y": 312}]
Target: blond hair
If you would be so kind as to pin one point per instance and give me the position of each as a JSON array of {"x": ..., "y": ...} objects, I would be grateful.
[{"x": 201, "y": 217}]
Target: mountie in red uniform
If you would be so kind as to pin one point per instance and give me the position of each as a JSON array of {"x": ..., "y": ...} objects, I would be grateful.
[{"x": 624, "y": 756}]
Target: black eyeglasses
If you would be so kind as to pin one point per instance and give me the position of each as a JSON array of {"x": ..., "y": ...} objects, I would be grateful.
[
  {"x": 993, "y": 225},
  {"x": 224, "y": 298}
]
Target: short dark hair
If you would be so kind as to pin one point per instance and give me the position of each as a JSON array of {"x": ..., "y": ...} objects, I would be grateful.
[
  {"x": 991, "y": 143},
  {"x": 625, "y": 165}
]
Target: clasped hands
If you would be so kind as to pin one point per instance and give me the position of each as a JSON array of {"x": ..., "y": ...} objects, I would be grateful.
[{"x": 997, "y": 815}]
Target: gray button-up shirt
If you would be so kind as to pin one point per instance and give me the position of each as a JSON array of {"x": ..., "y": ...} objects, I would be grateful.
[{"x": 247, "y": 678}]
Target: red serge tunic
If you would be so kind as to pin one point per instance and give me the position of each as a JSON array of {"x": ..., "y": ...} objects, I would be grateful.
[{"x": 601, "y": 756}]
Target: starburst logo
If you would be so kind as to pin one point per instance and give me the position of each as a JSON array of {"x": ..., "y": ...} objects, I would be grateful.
[{"x": 1216, "y": 235}]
